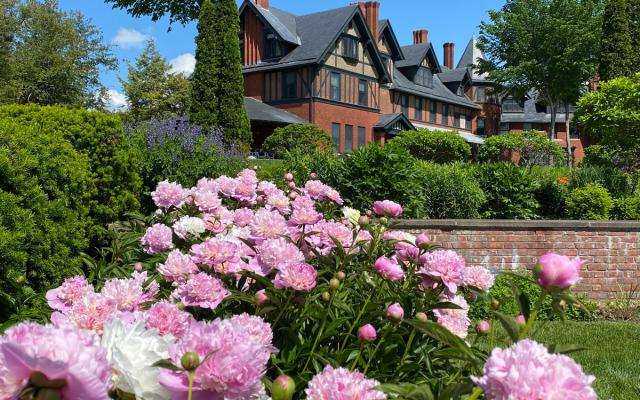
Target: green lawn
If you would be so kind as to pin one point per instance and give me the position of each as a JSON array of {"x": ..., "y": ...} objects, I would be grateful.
[{"x": 613, "y": 354}]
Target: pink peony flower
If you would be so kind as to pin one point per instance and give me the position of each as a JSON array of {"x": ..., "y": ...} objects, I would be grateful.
[
  {"x": 268, "y": 224},
  {"x": 72, "y": 289},
  {"x": 319, "y": 191},
  {"x": 456, "y": 325},
  {"x": 214, "y": 251},
  {"x": 404, "y": 239},
  {"x": 395, "y": 312},
  {"x": 278, "y": 201},
  {"x": 556, "y": 271},
  {"x": 527, "y": 370},
  {"x": 169, "y": 194},
  {"x": 130, "y": 294},
  {"x": 277, "y": 253},
  {"x": 206, "y": 201},
  {"x": 367, "y": 333},
  {"x": 177, "y": 267},
  {"x": 168, "y": 319},
  {"x": 305, "y": 216},
  {"x": 233, "y": 362},
  {"x": 59, "y": 353},
  {"x": 340, "y": 383},
  {"x": 446, "y": 265},
  {"x": 387, "y": 208},
  {"x": 479, "y": 277},
  {"x": 89, "y": 312},
  {"x": 389, "y": 269},
  {"x": 201, "y": 290},
  {"x": 256, "y": 327},
  {"x": 299, "y": 276},
  {"x": 242, "y": 217},
  {"x": 157, "y": 239}
]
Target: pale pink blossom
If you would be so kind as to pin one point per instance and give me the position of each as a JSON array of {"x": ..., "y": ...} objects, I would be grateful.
[
  {"x": 226, "y": 185},
  {"x": 455, "y": 320},
  {"x": 207, "y": 202},
  {"x": 59, "y": 353},
  {"x": 72, "y": 289},
  {"x": 389, "y": 269},
  {"x": 342, "y": 384},
  {"x": 319, "y": 191},
  {"x": 402, "y": 239},
  {"x": 89, "y": 312},
  {"x": 299, "y": 276},
  {"x": 242, "y": 217},
  {"x": 527, "y": 370},
  {"x": 445, "y": 265},
  {"x": 207, "y": 185},
  {"x": 278, "y": 201},
  {"x": 456, "y": 325},
  {"x": 177, "y": 267},
  {"x": 558, "y": 271},
  {"x": 168, "y": 319},
  {"x": 130, "y": 294},
  {"x": 157, "y": 239},
  {"x": 214, "y": 251},
  {"x": 305, "y": 216},
  {"x": 277, "y": 253},
  {"x": 169, "y": 194},
  {"x": 478, "y": 277},
  {"x": 256, "y": 327},
  {"x": 267, "y": 224},
  {"x": 201, "y": 290},
  {"x": 267, "y": 188}
]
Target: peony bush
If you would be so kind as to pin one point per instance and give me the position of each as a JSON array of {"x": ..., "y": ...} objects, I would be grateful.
[{"x": 247, "y": 290}]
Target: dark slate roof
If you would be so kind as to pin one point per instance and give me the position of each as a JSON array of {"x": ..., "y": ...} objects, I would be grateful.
[
  {"x": 439, "y": 91},
  {"x": 531, "y": 115},
  {"x": 467, "y": 56},
  {"x": 470, "y": 58},
  {"x": 281, "y": 21},
  {"x": 413, "y": 55},
  {"x": 387, "y": 29},
  {"x": 259, "y": 111},
  {"x": 388, "y": 119},
  {"x": 453, "y": 75}
]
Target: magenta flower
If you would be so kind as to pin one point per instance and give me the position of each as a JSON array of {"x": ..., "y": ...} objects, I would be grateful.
[
  {"x": 479, "y": 277},
  {"x": 422, "y": 241},
  {"x": 556, "y": 271},
  {"x": 130, "y": 294},
  {"x": 387, "y": 208},
  {"x": 169, "y": 194},
  {"x": 277, "y": 253},
  {"x": 214, "y": 252},
  {"x": 394, "y": 313},
  {"x": 299, "y": 276},
  {"x": 168, "y": 319},
  {"x": 201, "y": 290},
  {"x": 389, "y": 269},
  {"x": 445, "y": 265},
  {"x": 177, "y": 267},
  {"x": 340, "y": 383},
  {"x": 233, "y": 362},
  {"x": 157, "y": 239},
  {"x": 59, "y": 353},
  {"x": 71, "y": 290},
  {"x": 367, "y": 333},
  {"x": 527, "y": 370},
  {"x": 520, "y": 320}
]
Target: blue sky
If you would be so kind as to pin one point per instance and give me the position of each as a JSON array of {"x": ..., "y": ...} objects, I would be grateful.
[{"x": 447, "y": 21}]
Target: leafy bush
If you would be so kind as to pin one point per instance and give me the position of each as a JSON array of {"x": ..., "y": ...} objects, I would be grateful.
[
  {"x": 114, "y": 183},
  {"x": 305, "y": 138},
  {"x": 617, "y": 182},
  {"x": 592, "y": 202},
  {"x": 533, "y": 148},
  {"x": 177, "y": 150},
  {"x": 598, "y": 156},
  {"x": 627, "y": 208},
  {"x": 500, "y": 147},
  {"x": 552, "y": 189},
  {"x": 510, "y": 191},
  {"x": 43, "y": 213},
  {"x": 325, "y": 163},
  {"x": 450, "y": 191},
  {"x": 434, "y": 146}
]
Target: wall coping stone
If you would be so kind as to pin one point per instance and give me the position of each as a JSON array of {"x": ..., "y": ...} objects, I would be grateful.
[{"x": 517, "y": 225}]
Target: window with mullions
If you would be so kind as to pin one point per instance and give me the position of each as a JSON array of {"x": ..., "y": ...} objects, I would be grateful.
[
  {"x": 273, "y": 47},
  {"x": 433, "y": 111},
  {"x": 334, "y": 87},
  {"x": 404, "y": 104},
  {"x": 289, "y": 84},
  {"x": 350, "y": 47},
  {"x": 363, "y": 92},
  {"x": 419, "y": 108},
  {"x": 335, "y": 136},
  {"x": 424, "y": 77}
]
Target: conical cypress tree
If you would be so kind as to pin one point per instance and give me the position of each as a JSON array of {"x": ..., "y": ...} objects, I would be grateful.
[
  {"x": 616, "y": 54},
  {"x": 203, "y": 110},
  {"x": 229, "y": 89},
  {"x": 634, "y": 17}
]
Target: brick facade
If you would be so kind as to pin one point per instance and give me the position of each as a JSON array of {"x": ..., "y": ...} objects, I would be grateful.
[{"x": 611, "y": 250}]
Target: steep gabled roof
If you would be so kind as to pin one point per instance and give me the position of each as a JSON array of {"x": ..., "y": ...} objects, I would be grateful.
[
  {"x": 283, "y": 23},
  {"x": 261, "y": 112},
  {"x": 387, "y": 32},
  {"x": 470, "y": 58},
  {"x": 454, "y": 75},
  {"x": 439, "y": 91},
  {"x": 387, "y": 120},
  {"x": 414, "y": 55}
]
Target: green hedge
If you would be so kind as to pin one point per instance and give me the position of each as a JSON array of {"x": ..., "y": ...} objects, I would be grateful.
[
  {"x": 435, "y": 146},
  {"x": 113, "y": 182},
  {"x": 43, "y": 216},
  {"x": 305, "y": 138},
  {"x": 592, "y": 202}
]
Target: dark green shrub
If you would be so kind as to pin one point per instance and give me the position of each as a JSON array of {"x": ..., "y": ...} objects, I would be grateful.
[
  {"x": 450, "y": 191},
  {"x": 500, "y": 147},
  {"x": 435, "y": 146},
  {"x": 533, "y": 148},
  {"x": 43, "y": 214},
  {"x": 592, "y": 202},
  {"x": 552, "y": 189},
  {"x": 325, "y": 163},
  {"x": 304, "y": 138},
  {"x": 617, "y": 182},
  {"x": 627, "y": 208},
  {"x": 178, "y": 151},
  {"x": 598, "y": 156},
  {"x": 113, "y": 177},
  {"x": 510, "y": 191}
]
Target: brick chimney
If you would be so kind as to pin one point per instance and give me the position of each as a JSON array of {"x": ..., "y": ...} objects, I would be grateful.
[
  {"x": 263, "y": 3},
  {"x": 421, "y": 36},
  {"x": 448, "y": 54},
  {"x": 371, "y": 12}
]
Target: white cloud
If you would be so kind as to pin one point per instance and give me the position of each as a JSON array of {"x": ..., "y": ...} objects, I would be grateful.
[
  {"x": 116, "y": 101},
  {"x": 184, "y": 64},
  {"x": 130, "y": 38}
]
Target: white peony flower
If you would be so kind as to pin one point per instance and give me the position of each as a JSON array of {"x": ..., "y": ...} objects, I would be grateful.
[
  {"x": 351, "y": 214},
  {"x": 132, "y": 350},
  {"x": 189, "y": 227}
]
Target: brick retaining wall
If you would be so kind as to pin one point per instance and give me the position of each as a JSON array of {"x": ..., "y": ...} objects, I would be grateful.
[{"x": 611, "y": 250}]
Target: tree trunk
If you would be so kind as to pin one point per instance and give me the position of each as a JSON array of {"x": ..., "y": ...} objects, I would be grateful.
[
  {"x": 552, "y": 129},
  {"x": 568, "y": 129}
]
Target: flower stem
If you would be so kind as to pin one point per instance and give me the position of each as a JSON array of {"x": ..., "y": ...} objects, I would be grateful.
[
  {"x": 287, "y": 304},
  {"x": 355, "y": 322},
  {"x": 409, "y": 343},
  {"x": 373, "y": 355},
  {"x": 320, "y": 331},
  {"x": 475, "y": 394},
  {"x": 355, "y": 362},
  {"x": 190, "y": 392},
  {"x": 533, "y": 315}
]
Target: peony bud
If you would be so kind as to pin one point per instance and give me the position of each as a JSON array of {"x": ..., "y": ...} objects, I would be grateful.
[
  {"x": 422, "y": 316},
  {"x": 422, "y": 241},
  {"x": 288, "y": 177},
  {"x": 556, "y": 271},
  {"x": 291, "y": 185},
  {"x": 261, "y": 297},
  {"x": 326, "y": 296},
  {"x": 334, "y": 283},
  {"x": 137, "y": 267},
  {"x": 369, "y": 213},
  {"x": 563, "y": 304},
  {"x": 367, "y": 333},
  {"x": 384, "y": 221},
  {"x": 190, "y": 361},
  {"x": 283, "y": 388},
  {"x": 293, "y": 195},
  {"x": 20, "y": 280},
  {"x": 495, "y": 304},
  {"x": 521, "y": 321},
  {"x": 313, "y": 176},
  {"x": 483, "y": 328},
  {"x": 387, "y": 208},
  {"x": 395, "y": 313},
  {"x": 341, "y": 275},
  {"x": 363, "y": 220}
]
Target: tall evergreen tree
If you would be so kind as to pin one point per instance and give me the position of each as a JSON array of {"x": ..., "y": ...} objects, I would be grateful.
[
  {"x": 616, "y": 53},
  {"x": 634, "y": 19},
  {"x": 203, "y": 109},
  {"x": 229, "y": 89}
]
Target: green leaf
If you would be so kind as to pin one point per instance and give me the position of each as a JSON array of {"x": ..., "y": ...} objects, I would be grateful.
[
  {"x": 422, "y": 392},
  {"x": 445, "y": 305},
  {"x": 509, "y": 325},
  {"x": 166, "y": 364},
  {"x": 441, "y": 334},
  {"x": 565, "y": 348},
  {"x": 455, "y": 391}
]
